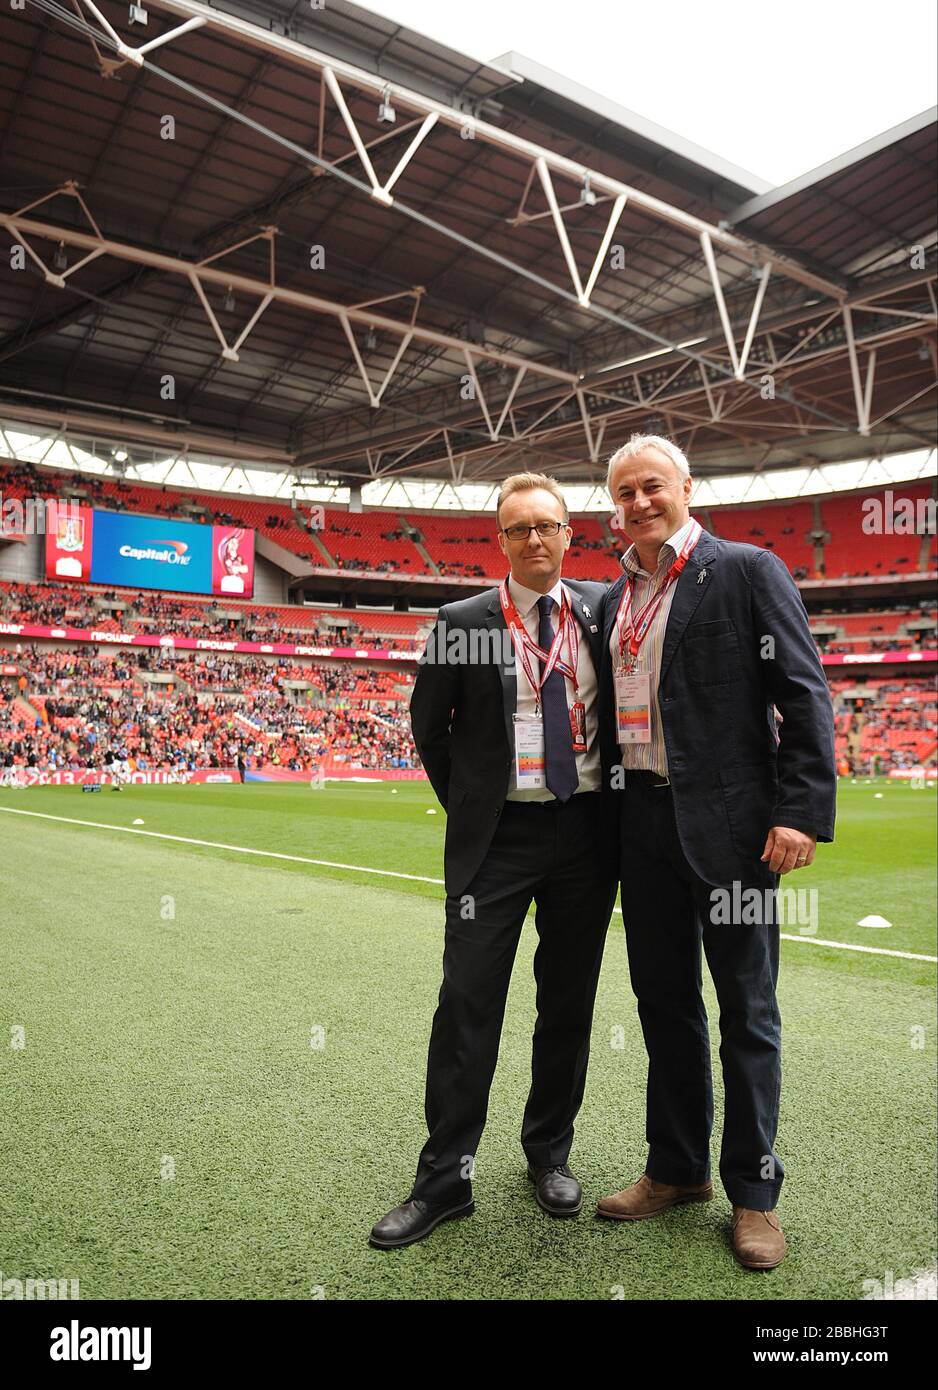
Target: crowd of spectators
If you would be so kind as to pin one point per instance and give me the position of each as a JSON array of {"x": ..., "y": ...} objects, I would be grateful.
[
  {"x": 53, "y": 604},
  {"x": 915, "y": 638},
  {"x": 460, "y": 569},
  {"x": 885, "y": 724},
  {"x": 75, "y": 707},
  {"x": 71, "y": 708}
]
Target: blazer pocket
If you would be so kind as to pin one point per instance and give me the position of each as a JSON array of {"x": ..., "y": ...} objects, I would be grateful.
[
  {"x": 749, "y": 797},
  {"x": 711, "y": 653}
]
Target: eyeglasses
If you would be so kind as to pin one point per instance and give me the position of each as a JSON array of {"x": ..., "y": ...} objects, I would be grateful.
[{"x": 543, "y": 529}]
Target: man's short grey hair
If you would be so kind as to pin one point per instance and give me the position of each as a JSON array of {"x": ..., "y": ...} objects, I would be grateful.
[{"x": 639, "y": 442}]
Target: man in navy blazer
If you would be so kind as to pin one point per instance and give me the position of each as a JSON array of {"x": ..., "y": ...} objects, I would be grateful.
[
  {"x": 703, "y": 641},
  {"x": 505, "y": 719}
]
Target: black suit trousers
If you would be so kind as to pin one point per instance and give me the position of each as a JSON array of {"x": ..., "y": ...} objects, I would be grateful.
[
  {"x": 545, "y": 853},
  {"x": 669, "y": 912}
]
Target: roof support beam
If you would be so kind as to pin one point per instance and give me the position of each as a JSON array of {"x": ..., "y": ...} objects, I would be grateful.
[
  {"x": 553, "y": 161},
  {"x": 483, "y": 132},
  {"x": 205, "y": 272},
  {"x": 135, "y": 55}
]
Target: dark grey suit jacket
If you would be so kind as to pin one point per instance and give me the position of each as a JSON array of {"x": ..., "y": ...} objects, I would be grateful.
[{"x": 461, "y": 715}]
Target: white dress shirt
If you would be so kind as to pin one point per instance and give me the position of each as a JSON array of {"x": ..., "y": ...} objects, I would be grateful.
[
  {"x": 587, "y": 763},
  {"x": 649, "y": 757}
]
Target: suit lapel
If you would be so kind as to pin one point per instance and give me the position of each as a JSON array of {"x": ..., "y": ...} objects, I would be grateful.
[
  {"x": 688, "y": 592},
  {"x": 506, "y": 674},
  {"x": 613, "y": 595}
]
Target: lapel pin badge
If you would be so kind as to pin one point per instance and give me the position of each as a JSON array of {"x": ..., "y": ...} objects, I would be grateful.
[
  {"x": 701, "y": 576},
  {"x": 586, "y": 612},
  {"x": 593, "y": 627}
]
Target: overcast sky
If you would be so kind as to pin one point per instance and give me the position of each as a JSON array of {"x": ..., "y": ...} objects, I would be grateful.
[{"x": 775, "y": 88}]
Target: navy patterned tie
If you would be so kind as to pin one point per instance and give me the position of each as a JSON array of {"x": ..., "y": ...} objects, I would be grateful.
[{"x": 559, "y": 757}]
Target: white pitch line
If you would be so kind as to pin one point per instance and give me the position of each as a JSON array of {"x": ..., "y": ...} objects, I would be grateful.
[
  {"x": 216, "y": 844},
  {"x": 388, "y": 873},
  {"x": 868, "y": 950}
]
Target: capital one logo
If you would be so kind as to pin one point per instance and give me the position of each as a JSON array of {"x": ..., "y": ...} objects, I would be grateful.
[{"x": 173, "y": 554}]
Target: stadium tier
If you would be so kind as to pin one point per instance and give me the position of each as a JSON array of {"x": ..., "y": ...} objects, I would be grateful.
[
  {"x": 594, "y": 550},
  {"x": 110, "y": 610},
  {"x": 783, "y": 528},
  {"x": 457, "y": 546},
  {"x": 851, "y": 545},
  {"x": 69, "y": 704},
  {"x": 371, "y": 541},
  {"x": 908, "y": 629},
  {"x": 817, "y": 538},
  {"x": 72, "y": 708},
  {"x": 885, "y": 724}
]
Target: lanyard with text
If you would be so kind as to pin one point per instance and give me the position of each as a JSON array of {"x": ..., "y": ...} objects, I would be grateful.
[
  {"x": 526, "y": 648},
  {"x": 633, "y": 631}
]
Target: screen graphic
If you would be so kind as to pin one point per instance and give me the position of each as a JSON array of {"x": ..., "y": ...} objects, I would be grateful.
[{"x": 147, "y": 552}]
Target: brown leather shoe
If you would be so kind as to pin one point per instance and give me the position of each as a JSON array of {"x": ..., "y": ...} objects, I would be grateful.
[
  {"x": 647, "y": 1198},
  {"x": 758, "y": 1242}
]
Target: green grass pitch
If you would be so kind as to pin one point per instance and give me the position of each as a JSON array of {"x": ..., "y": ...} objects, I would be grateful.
[{"x": 171, "y": 1127}]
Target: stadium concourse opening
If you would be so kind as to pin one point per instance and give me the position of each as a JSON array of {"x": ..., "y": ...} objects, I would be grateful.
[{"x": 281, "y": 312}]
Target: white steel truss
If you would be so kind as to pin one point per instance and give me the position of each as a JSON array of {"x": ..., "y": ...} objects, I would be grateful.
[
  {"x": 683, "y": 392},
  {"x": 729, "y": 361},
  {"x": 207, "y": 273},
  {"x": 91, "y": 458},
  {"x": 481, "y": 131},
  {"x": 595, "y": 187}
]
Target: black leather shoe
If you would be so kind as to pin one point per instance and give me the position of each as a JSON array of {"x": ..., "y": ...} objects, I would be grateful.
[
  {"x": 556, "y": 1190},
  {"x": 412, "y": 1221}
]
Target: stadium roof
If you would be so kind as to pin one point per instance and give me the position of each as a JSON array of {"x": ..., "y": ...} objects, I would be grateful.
[{"x": 514, "y": 272}]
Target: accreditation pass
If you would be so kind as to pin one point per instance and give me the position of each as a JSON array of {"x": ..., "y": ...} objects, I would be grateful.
[
  {"x": 530, "y": 769},
  {"x": 633, "y": 708}
]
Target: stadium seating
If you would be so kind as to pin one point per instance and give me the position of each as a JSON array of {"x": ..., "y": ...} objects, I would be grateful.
[
  {"x": 852, "y": 550},
  {"x": 466, "y": 545},
  {"x": 459, "y": 544},
  {"x": 885, "y": 722},
  {"x": 72, "y": 702},
  {"x": 69, "y": 707},
  {"x": 55, "y": 603},
  {"x": 371, "y": 541},
  {"x": 782, "y": 527}
]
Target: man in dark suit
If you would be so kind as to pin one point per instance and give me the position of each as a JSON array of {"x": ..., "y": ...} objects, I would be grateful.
[
  {"x": 504, "y": 715},
  {"x": 703, "y": 640}
]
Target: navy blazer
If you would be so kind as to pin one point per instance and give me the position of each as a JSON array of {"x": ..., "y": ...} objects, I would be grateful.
[
  {"x": 737, "y": 642},
  {"x": 461, "y": 717}
]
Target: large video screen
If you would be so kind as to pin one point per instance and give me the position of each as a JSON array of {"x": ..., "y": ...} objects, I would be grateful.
[{"x": 149, "y": 552}]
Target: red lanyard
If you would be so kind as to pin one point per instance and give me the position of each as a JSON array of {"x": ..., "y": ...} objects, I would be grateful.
[
  {"x": 634, "y": 631},
  {"x": 525, "y": 646}
]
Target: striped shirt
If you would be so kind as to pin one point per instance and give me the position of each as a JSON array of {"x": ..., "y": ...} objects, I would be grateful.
[{"x": 649, "y": 757}]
